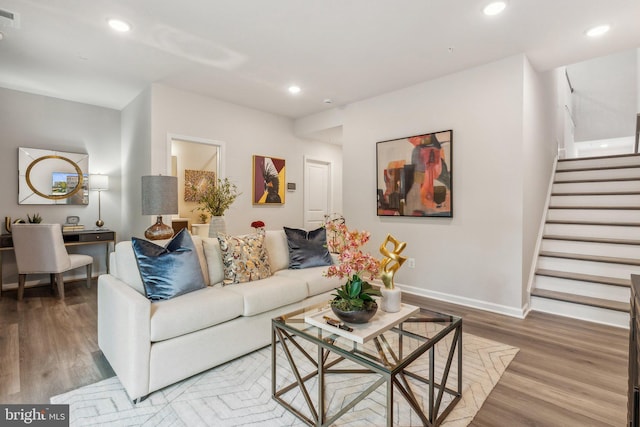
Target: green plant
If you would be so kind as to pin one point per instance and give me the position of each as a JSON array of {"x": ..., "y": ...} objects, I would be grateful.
[
  {"x": 354, "y": 295},
  {"x": 35, "y": 219},
  {"x": 204, "y": 217},
  {"x": 217, "y": 196}
]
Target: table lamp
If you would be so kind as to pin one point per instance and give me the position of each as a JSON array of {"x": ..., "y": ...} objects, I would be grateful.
[
  {"x": 99, "y": 183},
  {"x": 159, "y": 197}
]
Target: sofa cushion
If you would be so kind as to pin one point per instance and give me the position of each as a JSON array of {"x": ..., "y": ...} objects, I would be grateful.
[
  {"x": 171, "y": 270},
  {"x": 307, "y": 248},
  {"x": 269, "y": 293},
  {"x": 193, "y": 311},
  {"x": 213, "y": 256},
  {"x": 125, "y": 266},
  {"x": 276, "y": 242},
  {"x": 244, "y": 257},
  {"x": 313, "y": 278}
]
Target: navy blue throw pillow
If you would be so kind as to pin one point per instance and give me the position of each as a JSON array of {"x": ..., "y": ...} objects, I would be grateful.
[
  {"x": 171, "y": 270},
  {"x": 307, "y": 248}
]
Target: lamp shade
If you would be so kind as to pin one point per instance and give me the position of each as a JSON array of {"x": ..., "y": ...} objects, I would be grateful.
[
  {"x": 159, "y": 195},
  {"x": 99, "y": 182}
]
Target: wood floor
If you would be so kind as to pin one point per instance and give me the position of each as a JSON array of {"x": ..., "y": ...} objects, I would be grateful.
[{"x": 567, "y": 373}]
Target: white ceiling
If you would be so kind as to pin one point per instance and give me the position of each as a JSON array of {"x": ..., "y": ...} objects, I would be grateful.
[{"x": 249, "y": 51}]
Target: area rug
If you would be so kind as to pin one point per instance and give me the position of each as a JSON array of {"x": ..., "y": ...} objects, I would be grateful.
[{"x": 238, "y": 393}]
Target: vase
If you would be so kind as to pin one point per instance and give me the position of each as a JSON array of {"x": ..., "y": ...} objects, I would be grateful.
[
  {"x": 391, "y": 300},
  {"x": 217, "y": 225},
  {"x": 356, "y": 316}
]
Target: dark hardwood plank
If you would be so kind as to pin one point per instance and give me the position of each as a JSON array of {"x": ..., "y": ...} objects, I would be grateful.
[{"x": 567, "y": 372}]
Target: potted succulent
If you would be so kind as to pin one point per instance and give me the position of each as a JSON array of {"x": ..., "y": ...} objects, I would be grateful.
[
  {"x": 353, "y": 301},
  {"x": 35, "y": 219},
  {"x": 216, "y": 197}
]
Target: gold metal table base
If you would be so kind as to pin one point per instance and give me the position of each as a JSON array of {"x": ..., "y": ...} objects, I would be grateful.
[{"x": 393, "y": 370}]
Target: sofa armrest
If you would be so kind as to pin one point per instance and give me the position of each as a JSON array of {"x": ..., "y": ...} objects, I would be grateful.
[{"x": 124, "y": 318}]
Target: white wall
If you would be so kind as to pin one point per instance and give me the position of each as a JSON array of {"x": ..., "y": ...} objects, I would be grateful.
[
  {"x": 538, "y": 155},
  {"x": 245, "y": 132},
  {"x": 28, "y": 120},
  {"x": 476, "y": 257},
  {"x": 605, "y": 96},
  {"x": 136, "y": 162}
]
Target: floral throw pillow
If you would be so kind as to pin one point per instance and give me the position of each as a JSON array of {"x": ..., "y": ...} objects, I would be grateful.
[{"x": 244, "y": 257}]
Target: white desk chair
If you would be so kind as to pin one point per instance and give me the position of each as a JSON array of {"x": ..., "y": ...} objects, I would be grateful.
[{"x": 39, "y": 248}]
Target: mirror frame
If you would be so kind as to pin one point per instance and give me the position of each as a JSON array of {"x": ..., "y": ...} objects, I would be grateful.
[
  {"x": 51, "y": 196},
  {"x": 32, "y": 193}
]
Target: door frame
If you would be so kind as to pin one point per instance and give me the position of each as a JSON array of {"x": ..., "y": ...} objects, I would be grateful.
[{"x": 330, "y": 193}]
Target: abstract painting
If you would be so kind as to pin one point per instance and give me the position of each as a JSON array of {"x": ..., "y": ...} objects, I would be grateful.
[
  {"x": 414, "y": 176},
  {"x": 268, "y": 180},
  {"x": 195, "y": 181}
]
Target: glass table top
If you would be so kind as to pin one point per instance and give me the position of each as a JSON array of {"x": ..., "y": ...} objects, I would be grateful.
[{"x": 390, "y": 351}]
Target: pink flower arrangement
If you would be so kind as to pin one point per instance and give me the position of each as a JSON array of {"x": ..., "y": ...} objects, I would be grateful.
[{"x": 352, "y": 261}]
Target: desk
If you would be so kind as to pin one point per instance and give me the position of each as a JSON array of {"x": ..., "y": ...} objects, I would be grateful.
[{"x": 71, "y": 238}]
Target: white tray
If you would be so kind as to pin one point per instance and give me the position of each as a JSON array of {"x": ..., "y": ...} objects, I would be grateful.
[{"x": 381, "y": 322}]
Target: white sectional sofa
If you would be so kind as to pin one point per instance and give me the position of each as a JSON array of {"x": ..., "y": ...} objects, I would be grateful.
[{"x": 151, "y": 345}]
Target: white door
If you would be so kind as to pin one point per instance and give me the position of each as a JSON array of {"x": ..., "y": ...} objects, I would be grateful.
[{"x": 317, "y": 192}]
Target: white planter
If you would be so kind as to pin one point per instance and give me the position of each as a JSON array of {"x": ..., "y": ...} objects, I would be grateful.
[
  {"x": 391, "y": 300},
  {"x": 217, "y": 225}
]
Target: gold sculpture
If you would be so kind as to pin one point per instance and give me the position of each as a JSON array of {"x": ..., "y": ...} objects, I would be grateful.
[{"x": 392, "y": 260}]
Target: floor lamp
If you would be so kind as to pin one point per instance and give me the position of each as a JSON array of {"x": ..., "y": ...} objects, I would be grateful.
[
  {"x": 99, "y": 183},
  {"x": 159, "y": 197}
]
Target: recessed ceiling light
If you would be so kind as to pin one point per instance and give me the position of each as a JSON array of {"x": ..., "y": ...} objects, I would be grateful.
[
  {"x": 294, "y": 89},
  {"x": 494, "y": 8},
  {"x": 598, "y": 31},
  {"x": 119, "y": 25}
]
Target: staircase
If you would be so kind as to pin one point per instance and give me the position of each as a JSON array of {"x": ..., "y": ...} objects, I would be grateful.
[{"x": 591, "y": 240}]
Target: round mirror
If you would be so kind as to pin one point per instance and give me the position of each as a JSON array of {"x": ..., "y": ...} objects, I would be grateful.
[
  {"x": 63, "y": 184},
  {"x": 52, "y": 177}
]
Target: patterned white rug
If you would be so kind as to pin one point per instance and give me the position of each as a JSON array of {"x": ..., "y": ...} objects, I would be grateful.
[{"x": 238, "y": 393}]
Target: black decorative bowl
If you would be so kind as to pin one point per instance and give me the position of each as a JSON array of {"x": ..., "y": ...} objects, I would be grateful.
[{"x": 356, "y": 316}]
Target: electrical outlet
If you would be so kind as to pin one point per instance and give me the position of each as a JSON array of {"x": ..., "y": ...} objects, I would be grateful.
[{"x": 411, "y": 263}]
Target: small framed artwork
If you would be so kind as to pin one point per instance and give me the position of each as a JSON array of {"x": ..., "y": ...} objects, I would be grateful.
[
  {"x": 414, "y": 176},
  {"x": 268, "y": 180},
  {"x": 195, "y": 181}
]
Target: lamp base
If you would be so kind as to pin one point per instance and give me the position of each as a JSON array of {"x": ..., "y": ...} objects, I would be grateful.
[
  {"x": 159, "y": 231},
  {"x": 99, "y": 223}
]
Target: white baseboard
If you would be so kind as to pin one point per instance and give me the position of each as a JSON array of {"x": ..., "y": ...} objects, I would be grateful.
[{"x": 520, "y": 313}]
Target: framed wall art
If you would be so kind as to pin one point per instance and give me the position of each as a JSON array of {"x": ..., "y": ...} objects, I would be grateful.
[
  {"x": 268, "y": 180},
  {"x": 414, "y": 176},
  {"x": 195, "y": 181}
]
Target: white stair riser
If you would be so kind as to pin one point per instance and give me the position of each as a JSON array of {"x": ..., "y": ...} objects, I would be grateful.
[
  {"x": 599, "y": 162},
  {"x": 602, "y": 215},
  {"x": 577, "y": 287},
  {"x": 578, "y": 311},
  {"x": 598, "y": 231},
  {"x": 596, "y": 201},
  {"x": 619, "y": 271},
  {"x": 598, "y": 174},
  {"x": 588, "y": 248},
  {"x": 596, "y": 187}
]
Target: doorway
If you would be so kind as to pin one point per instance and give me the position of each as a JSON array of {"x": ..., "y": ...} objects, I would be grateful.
[
  {"x": 192, "y": 157},
  {"x": 317, "y": 192}
]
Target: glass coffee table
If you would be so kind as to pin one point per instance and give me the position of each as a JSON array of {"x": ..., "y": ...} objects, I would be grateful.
[{"x": 322, "y": 373}]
